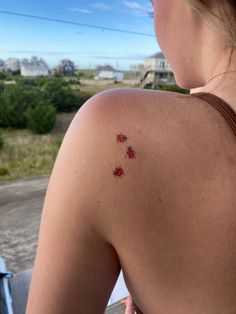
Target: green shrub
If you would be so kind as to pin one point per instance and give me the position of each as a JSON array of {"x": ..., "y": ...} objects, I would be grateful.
[
  {"x": 3, "y": 171},
  {"x": 2, "y": 87},
  {"x": 1, "y": 142},
  {"x": 3, "y": 75},
  {"x": 41, "y": 119},
  {"x": 174, "y": 88},
  {"x": 59, "y": 95},
  {"x": 28, "y": 82},
  {"x": 57, "y": 74},
  {"x": 14, "y": 101},
  {"x": 170, "y": 88}
]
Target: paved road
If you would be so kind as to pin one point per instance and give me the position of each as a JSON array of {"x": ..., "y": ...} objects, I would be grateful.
[{"x": 21, "y": 204}]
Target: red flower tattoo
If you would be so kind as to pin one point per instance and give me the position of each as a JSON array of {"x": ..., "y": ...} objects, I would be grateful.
[
  {"x": 121, "y": 138},
  {"x": 131, "y": 153},
  {"x": 118, "y": 172}
]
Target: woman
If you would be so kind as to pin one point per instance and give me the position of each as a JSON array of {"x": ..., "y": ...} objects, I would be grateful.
[{"x": 145, "y": 182}]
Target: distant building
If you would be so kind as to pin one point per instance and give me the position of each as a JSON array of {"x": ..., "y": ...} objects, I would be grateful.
[
  {"x": 157, "y": 62},
  {"x": 66, "y": 68},
  {"x": 107, "y": 72},
  {"x": 33, "y": 68},
  {"x": 12, "y": 65},
  {"x": 158, "y": 71}
]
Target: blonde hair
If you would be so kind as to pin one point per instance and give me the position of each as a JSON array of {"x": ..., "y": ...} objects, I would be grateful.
[{"x": 222, "y": 15}]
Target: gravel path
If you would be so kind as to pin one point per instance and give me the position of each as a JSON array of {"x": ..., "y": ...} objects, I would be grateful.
[{"x": 21, "y": 203}]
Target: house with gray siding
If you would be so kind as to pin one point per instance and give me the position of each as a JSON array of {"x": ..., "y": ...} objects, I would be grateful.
[{"x": 157, "y": 71}]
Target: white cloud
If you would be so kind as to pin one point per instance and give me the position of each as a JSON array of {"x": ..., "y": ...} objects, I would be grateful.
[
  {"x": 101, "y": 6},
  {"x": 133, "y": 5},
  {"x": 136, "y": 8},
  {"x": 84, "y": 11}
]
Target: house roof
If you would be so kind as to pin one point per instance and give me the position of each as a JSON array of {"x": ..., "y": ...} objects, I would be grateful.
[
  {"x": 158, "y": 55},
  {"x": 106, "y": 68}
]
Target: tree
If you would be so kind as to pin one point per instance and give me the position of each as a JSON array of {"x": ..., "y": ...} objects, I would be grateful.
[{"x": 66, "y": 68}]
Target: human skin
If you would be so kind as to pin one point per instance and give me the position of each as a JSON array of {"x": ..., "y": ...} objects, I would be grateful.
[
  {"x": 93, "y": 224},
  {"x": 194, "y": 47}
]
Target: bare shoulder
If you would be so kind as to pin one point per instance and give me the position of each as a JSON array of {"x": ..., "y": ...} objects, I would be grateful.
[
  {"x": 150, "y": 120},
  {"x": 122, "y": 171},
  {"x": 138, "y": 105}
]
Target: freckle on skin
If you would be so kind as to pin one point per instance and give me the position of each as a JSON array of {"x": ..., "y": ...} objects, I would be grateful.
[{"x": 160, "y": 199}]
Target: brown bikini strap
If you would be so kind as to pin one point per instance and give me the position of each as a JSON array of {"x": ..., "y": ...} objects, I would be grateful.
[{"x": 227, "y": 112}]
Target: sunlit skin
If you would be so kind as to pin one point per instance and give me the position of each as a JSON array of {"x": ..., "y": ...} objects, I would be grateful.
[
  {"x": 169, "y": 223},
  {"x": 197, "y": 62}
]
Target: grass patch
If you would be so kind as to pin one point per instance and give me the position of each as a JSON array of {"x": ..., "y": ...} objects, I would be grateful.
[
  {"x": 96, "y": 88},
  {"x": 26, "y": 154}
]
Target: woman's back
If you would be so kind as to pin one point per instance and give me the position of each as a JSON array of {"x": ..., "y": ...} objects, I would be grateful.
[
  {"x": 174, "y": 230},
  {"x": 168, "y": 221},
  {"x": 168, "y": 216}
]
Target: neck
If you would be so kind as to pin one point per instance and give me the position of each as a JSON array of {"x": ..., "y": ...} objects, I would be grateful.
[{"x": 223, "y": 87}]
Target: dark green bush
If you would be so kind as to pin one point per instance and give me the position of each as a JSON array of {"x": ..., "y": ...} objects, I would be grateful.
[
  {"x": 41, "y": 119},
  {"x": 30, "y": 93},
  {"x": 51, "y": 83},
  {"x": 59, "y": 95},
  {"x": 57, "y": 74},
  {"x": 170, "y": 88},
  {"x": 3, "y": 75},
  {"x": 174, "y": 88},
  {"x": 3, "y": 171},
  {"x": 28, "y": 82},
  {"x": 14, "y": 101},
  {"x": 2, "y": 87},
  {"x": 1, "y": 142}
]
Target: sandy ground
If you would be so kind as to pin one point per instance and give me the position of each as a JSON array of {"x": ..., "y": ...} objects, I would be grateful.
[{"x": 21, "y": 203}]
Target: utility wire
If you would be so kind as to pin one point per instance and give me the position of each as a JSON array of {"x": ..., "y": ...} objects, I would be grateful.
[{"x": 75, "y": 23}]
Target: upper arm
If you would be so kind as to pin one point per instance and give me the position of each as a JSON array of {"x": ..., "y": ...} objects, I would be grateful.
[{"x": 76, "y": 268}]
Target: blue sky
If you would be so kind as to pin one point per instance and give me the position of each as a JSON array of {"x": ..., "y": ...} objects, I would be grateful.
[{"x": 87, "y": 47}]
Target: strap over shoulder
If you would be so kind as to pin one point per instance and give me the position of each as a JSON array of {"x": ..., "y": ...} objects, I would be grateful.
[{"x": 223, "y": 107}]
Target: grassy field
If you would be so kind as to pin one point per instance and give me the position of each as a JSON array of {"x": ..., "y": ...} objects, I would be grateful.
[
  {"x": 28, "y": 155},
  {"x": 87, "y": 91}
]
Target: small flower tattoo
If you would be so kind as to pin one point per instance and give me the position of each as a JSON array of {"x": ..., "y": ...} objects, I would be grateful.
[
  {"x": 121, "y": 138},
  {"x": 131, "y": 153},
  {"x": 118, "y": 172}
]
